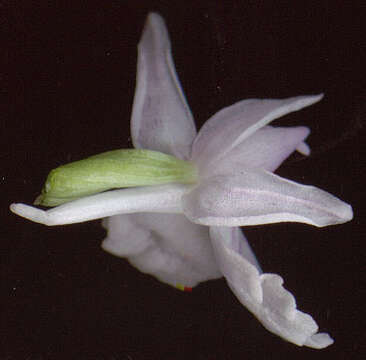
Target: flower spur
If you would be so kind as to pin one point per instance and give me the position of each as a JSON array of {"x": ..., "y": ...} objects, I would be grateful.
[{"x": 188, "y": 233}]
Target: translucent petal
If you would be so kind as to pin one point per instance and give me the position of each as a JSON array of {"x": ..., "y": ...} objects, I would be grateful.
[
  {"x": 256, "y": 196},
  {"x": 240, "y": 244},
  {"x": 264, "y": 295},
  {"x": 167, "y": 246},
  {"x": 161, "y": 118},
  {"x": 267, "y": 148},
  {"x": 164, "y": 199},
  {"x": 232, "y": 125}
]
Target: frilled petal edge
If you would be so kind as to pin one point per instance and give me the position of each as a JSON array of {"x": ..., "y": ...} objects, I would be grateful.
[
  {"x": 264, "y": 295},
  {"x": 160, "y": 199},
  {"x": 255, "y": 196}
]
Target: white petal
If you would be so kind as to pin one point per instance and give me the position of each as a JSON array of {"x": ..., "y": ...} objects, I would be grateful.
[
  {"x": 240, "y": 244},
  {"x": 167, "y": 246},
  {"x": 163, "y": 199},
  {"x": 161, "y": 118},
  {"x": 258, "y": 197},
  {"x": 267, "y": 148},
  {"x": 264, "y": 295},
  {"x": 232, "y": 125},
  {"x": 124, "y": 237}
]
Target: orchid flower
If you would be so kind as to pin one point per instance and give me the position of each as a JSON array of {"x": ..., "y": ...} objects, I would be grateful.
[{"x": 186, "y": 232}]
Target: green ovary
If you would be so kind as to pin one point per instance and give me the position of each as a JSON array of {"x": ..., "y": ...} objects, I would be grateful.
[{"x": 111, "y": 170}]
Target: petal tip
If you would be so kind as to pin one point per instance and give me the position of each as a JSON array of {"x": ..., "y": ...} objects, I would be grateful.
[
  {"x": 307, "y": 100},
  {"x": 17, "y": 208},
  {"x": 347, "y": 213},
  {"x": 315, "y": 98},
  {"x": 319, "y": 341},
  {"x": 156, "y": 21},
  {"x": 344, "y": 214},
  {"x": 304, "y": 149},
  {"x": 12, "y": 207},
  {"x": 154, "y": 18},
  {"x": 30, "y": 213}
]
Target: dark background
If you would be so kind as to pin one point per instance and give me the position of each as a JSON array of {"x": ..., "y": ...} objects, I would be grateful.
[{"x": 68, "y": 78}]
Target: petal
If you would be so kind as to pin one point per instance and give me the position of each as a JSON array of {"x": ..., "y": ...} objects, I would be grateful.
[
  {"x": 161, "y": 118},
  {"x": 264, "y": 295},
  {"x": 167, "y": 246},
  {"x": 256, "y": 196},
  {"x": 165, "y": 199},
  {"x": 267, "y": 148},
  {"x": 240, "y": 244},
  {"x": 232, "y": 125}
]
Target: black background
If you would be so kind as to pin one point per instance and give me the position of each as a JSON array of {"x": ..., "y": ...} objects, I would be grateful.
[{"x": 68, "y": 94}]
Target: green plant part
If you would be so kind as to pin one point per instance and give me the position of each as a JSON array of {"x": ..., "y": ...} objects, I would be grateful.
[{"x": 111, "y": 170}]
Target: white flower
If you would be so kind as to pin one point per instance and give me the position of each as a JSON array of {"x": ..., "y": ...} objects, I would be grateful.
[{"x": 159, "y": 228}]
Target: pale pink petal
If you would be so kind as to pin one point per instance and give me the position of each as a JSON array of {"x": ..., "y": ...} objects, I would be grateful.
[
  {"x": 264, "y": 295},
  {"x": 232, "y": 125},
  {"x": 161, "y": 118},
  {"x": 167, "y": 246},
  {"x": 256, "y": 196},
  {"x": 267, "y": 148},
  {"x": 160, "y": 199}
]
